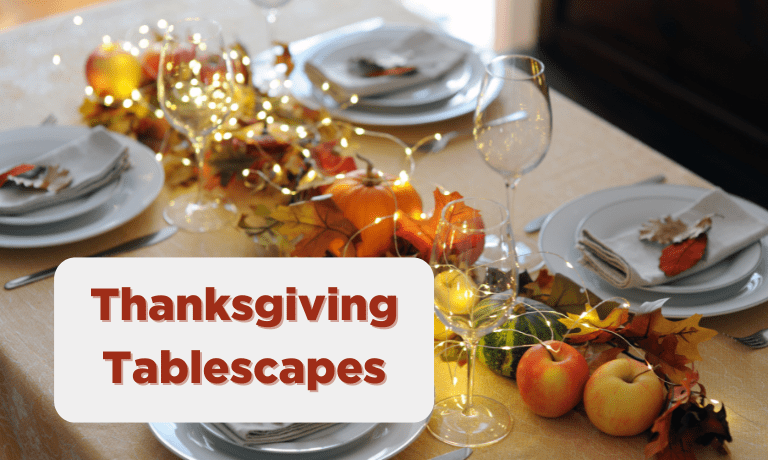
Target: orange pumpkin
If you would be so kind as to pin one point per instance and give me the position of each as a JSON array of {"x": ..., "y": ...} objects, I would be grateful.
[{"x": 363, "y": 196}]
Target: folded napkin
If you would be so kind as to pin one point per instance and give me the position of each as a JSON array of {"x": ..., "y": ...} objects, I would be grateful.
[
  {"x": 92, "y": 161},
  {"x": 430, "y": 56},
  {"x": 627, "y": 262},
  {"x": 256, "y": 434}
]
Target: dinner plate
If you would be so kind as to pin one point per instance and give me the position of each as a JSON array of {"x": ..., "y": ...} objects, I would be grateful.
[
  {"x": 557, "y": 236},
  {"x": 66, "y": 210},
  {"x": 426, "y": 93},
  {"x": 191, "y": 441},
  {"x": 141, "y": 184},
  {"x": 326, "y": 439},
  {"x": 625, "y": 215},
  {"x": 460, "y": 103}
]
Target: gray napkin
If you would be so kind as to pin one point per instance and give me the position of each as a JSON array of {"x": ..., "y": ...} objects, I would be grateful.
[
  {"x": 431, "y": 55},
  {"x": 256, "y": 434},
  {"x": 625, "y": 261},
  {"x": 93, "y": 161}
]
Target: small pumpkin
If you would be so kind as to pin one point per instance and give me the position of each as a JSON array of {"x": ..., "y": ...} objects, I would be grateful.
[{"x": 364, "y": 195}]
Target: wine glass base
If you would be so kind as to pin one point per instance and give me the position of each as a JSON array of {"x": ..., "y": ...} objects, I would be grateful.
[
  {"x": 206, "y": 215},
  {"x": 486, "y": 422}
]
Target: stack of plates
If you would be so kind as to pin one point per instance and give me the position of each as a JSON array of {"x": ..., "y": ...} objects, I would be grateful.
[
  {"x": 734, "y": 284},
  {"x": 86, "y": 216},
  {"x": 449, "y": 96},
  {"x": 349, "y": 441}
]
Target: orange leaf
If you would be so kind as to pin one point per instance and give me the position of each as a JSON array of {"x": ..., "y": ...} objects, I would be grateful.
[
  {"x": 679, "y": 257},
  {"x": 319, "y": 224},
  {"x": 421, "y": 232}
]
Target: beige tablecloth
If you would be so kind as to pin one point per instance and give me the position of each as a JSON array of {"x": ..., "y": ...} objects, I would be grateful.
[{"x": 587, "y": 154}]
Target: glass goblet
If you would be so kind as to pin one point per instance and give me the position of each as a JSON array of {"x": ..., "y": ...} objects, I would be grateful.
[
  {"x": 513, "y": 131},
  {"x": 475, "y": 288},
  {"x": 194, "y": 90}
]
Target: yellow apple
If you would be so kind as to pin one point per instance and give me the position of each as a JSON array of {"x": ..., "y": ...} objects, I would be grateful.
[
  {"x": 623, "y": 397},
  {"x": 111, "y": 70},
  {"x": 441, "y": 332},
  {"x": 551, "y": 378},
  {"x": 455, "y": 292}
]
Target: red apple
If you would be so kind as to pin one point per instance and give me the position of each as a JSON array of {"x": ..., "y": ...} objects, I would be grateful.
[
  {"x": 551, "y": 378},
  {"x": 623, "y": 397},
  {"x": 111, "y": 70}
]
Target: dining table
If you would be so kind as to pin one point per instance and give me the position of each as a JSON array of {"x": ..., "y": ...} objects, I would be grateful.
[{"x": 587, "y": 154}]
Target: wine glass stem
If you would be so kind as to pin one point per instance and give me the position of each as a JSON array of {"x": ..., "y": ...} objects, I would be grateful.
[
  {"x": 471, "y": 358},
  {"x": 271, "y": 16},
  {"x": 510, "y": 185},
  {"x": 198, "y": 143}
]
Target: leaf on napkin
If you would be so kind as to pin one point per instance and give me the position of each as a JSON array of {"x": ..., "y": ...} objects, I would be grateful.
[
  {"x": 667, "y": 230},
  {"x": 679, "y": 257},
  {"x": 320, "y": 224}
]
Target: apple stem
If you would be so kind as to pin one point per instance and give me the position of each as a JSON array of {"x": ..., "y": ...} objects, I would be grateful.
[{"x": 644, "y": 372}]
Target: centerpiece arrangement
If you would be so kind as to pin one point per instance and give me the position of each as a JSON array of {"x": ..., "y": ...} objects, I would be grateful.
[{"x": 308, "y": 196}]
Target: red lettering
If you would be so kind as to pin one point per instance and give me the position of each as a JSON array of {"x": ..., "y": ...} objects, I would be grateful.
[
  {"x": 215, "y": 371},
  {"x": 241, "y": 368},
  {"x": 117, "y": 358},
  {"x": 128, "y": 301},
  {"x": 147, "y": 373},
  {"x": 197, "y": 358},
  {"x": 313, "y": 378},
  {"x": 293, "y": 372},
  {"x": 183, "y": 301},
  {"x": 242, "y": 305},
  {"x": 215, "y": 306},
  {"x": 162, "y": 310},
  {"x": 387, "y": 317},
  {"x": 259, "y": 371},
  {"x": 349, "y": 371},
  {"x": 312, "y": 310},
  {"x": 167, "y": 364},
  {"x": 104, "y": 295},
  {"x": 374, "y": 368},
  {"x": 272, "y": 317}
]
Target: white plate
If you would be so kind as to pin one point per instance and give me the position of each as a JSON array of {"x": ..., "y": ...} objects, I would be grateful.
[
  {"x": 67, "y": 210},
  {"x": 426, "y": 93},
  {"x": 624, "y": 215},
  {"x": 140, "y": 186},
  {"x": 460, "y": 103},
  {"x": 326, "y": 439},
  {"x": 191, "y": 441},
  {"x": 558, "y": 236}
]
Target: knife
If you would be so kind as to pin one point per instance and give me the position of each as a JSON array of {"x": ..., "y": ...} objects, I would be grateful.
[
  {"x": 535, "y": 224},
  {"x": 140, "y": 242},
  {"x": 460, "y": 454}
]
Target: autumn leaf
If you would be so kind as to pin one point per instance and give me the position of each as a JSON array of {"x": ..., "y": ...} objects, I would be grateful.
[
  {"x": 687, "y": 330},
  {"x": 331, "y": 162},
  {"x": 590, "y": 327},
  {"x": 421, "y": 232},
  {"x": 319, "y": 225},
  {"x": 679, "y": 257},
  {"x": 667, "y": 230}
]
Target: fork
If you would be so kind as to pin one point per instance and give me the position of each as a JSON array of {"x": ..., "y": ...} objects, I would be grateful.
[
  {"x": 757, "y": 340},
  {"x": 49, "y": 120}
]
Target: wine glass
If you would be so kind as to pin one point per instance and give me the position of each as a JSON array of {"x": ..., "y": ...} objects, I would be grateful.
[
  {"x": 475, "y": 288},
  {"x": 269, "y": 74},
  {"x": 194, "y": 89},
  {"x": 513, "y": 133}
]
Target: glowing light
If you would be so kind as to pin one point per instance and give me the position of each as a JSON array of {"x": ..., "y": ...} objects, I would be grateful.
[
  {"x": 135, "y": 95},
  {"x": 214, "y": 118},
  {"x": 377, "y": 220},
  {"x": 250, "y": 133},
  {"x": 240, "y": 78},
  {"x": 325, "y": 86},
  {"x": 233, "y": 121},
  {"x": 159, "y": 113},
  {"x": 270, "y": 119},
  {"x": 56, "y": 59},
  {"x": 218, "y": 137},
  {"x": 246, "y": 172},
  {"x": 143, "y": 29},
  {"x": 423, "y": 215},
  {"x": 127, "y": 47},
  {"x": 77, "y": 20},
  {"x": 233, "y": 54},
  {"x": 568, "y": 264},
  {"x": 326, "y": 121},
  {"x": 179, "y": 85},
  {"x": 143, "y": 43},
  {"x": 196, "y": 37},
  {"x": 403, "y": 176},
  {"x": 186, "y": 161},
  {"x": 106, "y": 39},
  {"x": 162, "y": 24},
  {"x": 267, "y": 105},
  {"x": 246, "y": 60},
  {"x": 288, "y": 84},
  {"x": 127, "y": 103},
  {"x": 108, "y": 99},
  {"x": 88, "y": 90},
  {"x": 311, "y": 174},
  {"x": 285, "y": 99},
  {"x": 306, "y": 153},
  {"x": 339, "y": 176},
  {"x": 277, "y": 169},
  {"x": 284, "y": 128},
  {"x": 159, "y": 156},
  {"x": 359, "y": 131},
  {"x": 344, "y": 143},
  {"x": 261, "y": 115},
  {"x": 285, "y": 191},
  {"x": 353, "y": 99},
  {"x": 185, "y": 98},
  {"x": 408, "y": 151}
]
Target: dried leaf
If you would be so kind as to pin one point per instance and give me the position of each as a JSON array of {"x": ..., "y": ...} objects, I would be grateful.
[
  {"x": 421, "y": 232},
  {"x": 667, "y": 231},
  {"x": 679, "y": 257},
  {"x": 589, "y": 327},
  {"x": 688, "y": 332},
  {"x": 319, "y": 224}
]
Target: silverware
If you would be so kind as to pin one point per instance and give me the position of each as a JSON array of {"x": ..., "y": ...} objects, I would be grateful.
[
  {"x": 535, "y": 224},
  {"x": 460, "y": 454},
  {"x": 49, "y": 120},
  {"x": 757, "y": 340},
  {"x": 437, "y": 142},
  {"x": 140, "y": 242}
]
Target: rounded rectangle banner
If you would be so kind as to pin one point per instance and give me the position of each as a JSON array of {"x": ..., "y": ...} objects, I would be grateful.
[{"x": 243, "y": 340}]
